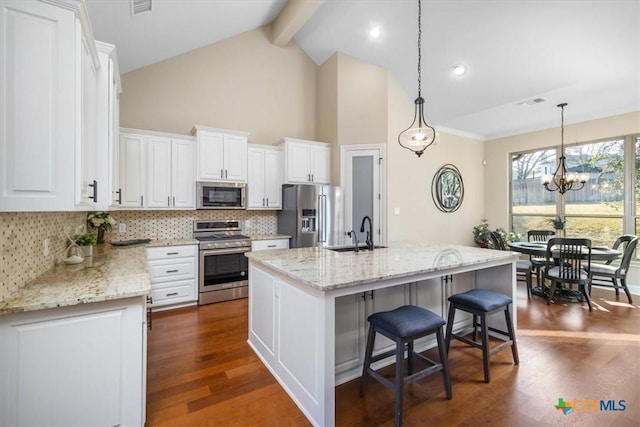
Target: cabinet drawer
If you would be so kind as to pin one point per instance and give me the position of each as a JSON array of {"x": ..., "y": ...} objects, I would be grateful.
[
  {"x": 168, "y": 252},
  {"x": 182, "y": 291},
  {"x": 178, "y": 269},
  {"x": 262, "y": 245}
]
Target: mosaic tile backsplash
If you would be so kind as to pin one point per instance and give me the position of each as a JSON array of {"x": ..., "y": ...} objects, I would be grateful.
[{"x": 23, "y": 235}]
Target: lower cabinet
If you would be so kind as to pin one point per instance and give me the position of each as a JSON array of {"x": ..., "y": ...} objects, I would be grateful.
[
  {"x": 264, "y": 245},
  {"x": 74, "y": 366},
  {"x": 173, "y": 274}
]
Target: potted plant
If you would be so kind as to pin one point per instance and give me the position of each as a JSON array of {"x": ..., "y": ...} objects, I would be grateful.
[
  {"x": 558, "y": 224},
  {"x": 101, "y": 221},
  {"x": 481, "y": 234},
  {"x": 86, "y": 242}
]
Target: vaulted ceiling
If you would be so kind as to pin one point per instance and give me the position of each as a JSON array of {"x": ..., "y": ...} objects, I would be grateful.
[{"x": 585, "y": 53}]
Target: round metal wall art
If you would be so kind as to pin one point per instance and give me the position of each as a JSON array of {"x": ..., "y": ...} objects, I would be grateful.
[{"x": 447, "y": 189}]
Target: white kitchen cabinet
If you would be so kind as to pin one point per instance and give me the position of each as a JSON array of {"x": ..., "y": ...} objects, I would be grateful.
[
  {"x": 170, "y": 179},
  {"x": 270, "y": 244},
  {"x": 156, "y": 170},
  {"x": 264, "y": 186},
  {"x": 306, "y": 162},
  {"x": 48, "y": 142},
  {"x": 74, "y": 366},
  {"x": 222, "y": 154},
  {"x": 173, "y": 273}
]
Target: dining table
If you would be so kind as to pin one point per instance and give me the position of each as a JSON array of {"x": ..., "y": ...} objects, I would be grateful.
[{"x": 539, "y": 250}]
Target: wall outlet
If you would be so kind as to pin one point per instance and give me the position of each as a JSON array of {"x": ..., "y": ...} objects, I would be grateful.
[
  {"x": 45, "y": 247},
  {"x": 396, "y": 211},
  {"x": 122, "y": 227}
]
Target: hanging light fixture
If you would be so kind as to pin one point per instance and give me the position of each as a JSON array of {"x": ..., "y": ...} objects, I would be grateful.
[
  {"x": 420, "y": 134},
  {"x": 562, "y": 181}
]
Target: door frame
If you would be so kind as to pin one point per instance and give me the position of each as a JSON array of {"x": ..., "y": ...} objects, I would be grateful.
[{"x": 345, "y": 183}]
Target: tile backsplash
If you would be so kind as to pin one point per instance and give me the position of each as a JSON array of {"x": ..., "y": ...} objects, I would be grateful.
[{"x": 23, "y": 235}]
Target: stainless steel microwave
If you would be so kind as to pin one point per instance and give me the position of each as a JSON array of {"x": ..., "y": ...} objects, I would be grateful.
[{"x": 220, "y": 195}]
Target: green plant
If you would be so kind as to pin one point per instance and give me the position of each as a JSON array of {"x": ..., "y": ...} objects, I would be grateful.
[
  {"x": 558, "y": 222},
  {"x": 86, "y": 239},
  {"x": 100, "y": 220},
  {"x": 481, "y": 234}
]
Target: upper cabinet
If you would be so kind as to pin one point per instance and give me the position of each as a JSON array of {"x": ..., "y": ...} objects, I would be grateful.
[
  {"x": 221, "y": 153},
  {"x": 306, "y": 162},
  {"x": 264, "y": 185},
  {"x": 54, "y": 157},
  {"x": 156, "y": 170}
]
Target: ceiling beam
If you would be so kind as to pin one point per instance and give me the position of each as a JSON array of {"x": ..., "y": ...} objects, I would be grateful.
[{"x": 291, "y": 18}]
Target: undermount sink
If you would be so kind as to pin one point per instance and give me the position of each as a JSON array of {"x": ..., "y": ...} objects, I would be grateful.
[{"x": 353, "y": 249}]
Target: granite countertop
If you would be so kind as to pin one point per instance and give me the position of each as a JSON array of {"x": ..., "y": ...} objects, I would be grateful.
[
  {"x": 268, "y": 236},
  {"x": 112, "y": 273},
  {"x": 171, "y": 242},
  {"x": 324, "y": 269}
]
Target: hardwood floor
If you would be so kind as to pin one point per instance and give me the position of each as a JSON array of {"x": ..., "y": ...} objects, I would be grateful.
[{"x": 201, "y": 372}]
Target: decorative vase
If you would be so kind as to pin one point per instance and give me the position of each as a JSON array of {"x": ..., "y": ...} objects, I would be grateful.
[
  {"x": 87, "y": 251},
  {"x": 100, "y": 235}
]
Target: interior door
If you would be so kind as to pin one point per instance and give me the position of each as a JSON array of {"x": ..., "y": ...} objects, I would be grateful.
[{"x": 362, "y": 182}]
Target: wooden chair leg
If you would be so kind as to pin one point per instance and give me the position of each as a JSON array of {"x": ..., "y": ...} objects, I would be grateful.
[
  {"x": 444, "y": 363},
  {"x": 528, "y": 279},
  {"x": 512, "y": 336},
  {"x": 485, "y": 346},
  {"x": 475, "y": 327},
  {"x": 552, "y": 292},
  {"x": 450, "y": 319},
  {"x": 623, "y": 282},
  {"x": 371, "y": 338},
  {"x": 585, "y": 292},
  {"x": 410, "y": 357},
  {"x": 399, "y": 385},
  {"x": 615, "y": 286}
]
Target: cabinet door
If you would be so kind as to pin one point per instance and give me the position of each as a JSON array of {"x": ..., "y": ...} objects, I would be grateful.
[
  {"x": 210, "y": 156},
  {"x": 132, "y": 164},
  {"x": 86, "y": 146},
  {"x": 320, "y": 160},
  {"x": 298, "y": 163},
  {"x": 273, "y": 179},
  {"x": 350, "y": 339},
  {"x": 256, "y": 178},
  {"x": 158, "y": 172},
  {"x": 182, "y": 174},
  {"x": 38, "y": 111},
  {"x": 235, "y": 158}
]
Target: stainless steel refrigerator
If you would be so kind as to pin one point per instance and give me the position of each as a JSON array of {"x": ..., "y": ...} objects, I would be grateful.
[{"x": 313, "y": 215}]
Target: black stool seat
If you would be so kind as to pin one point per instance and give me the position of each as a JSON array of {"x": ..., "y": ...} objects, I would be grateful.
[
  {"x": 481, "y": 303},
  {"x": 481, "y": 299},
  {"x": 404, "y": 325},
  {"x": 406, "y": 321}
]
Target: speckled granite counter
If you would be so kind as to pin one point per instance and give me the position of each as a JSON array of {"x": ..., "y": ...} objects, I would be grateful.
[
  {"x": 112, "y": 273},
  {"x": 268, "y": 236},
  {"x": 325, "y": 269},
  {"x": 173, "y": 242}
]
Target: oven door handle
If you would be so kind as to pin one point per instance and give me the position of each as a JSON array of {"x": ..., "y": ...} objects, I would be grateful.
[{"x": 224, "y": 251}]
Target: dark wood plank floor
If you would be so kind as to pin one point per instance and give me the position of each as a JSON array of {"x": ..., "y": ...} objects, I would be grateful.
[{"x": 201, "y": 372}]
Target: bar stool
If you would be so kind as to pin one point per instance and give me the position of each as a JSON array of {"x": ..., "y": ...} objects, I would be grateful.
[
  {"x": 403, "y": 325},
  {"x": 481, "y": 303}
]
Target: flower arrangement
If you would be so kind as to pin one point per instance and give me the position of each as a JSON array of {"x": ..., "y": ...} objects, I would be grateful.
[
  {"x": 100, "y": 220},
  {"x": 481, "y": 235},
  {"x": 86, "y": 239}
]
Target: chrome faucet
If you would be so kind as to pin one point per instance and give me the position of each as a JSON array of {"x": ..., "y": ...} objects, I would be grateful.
[
  {"x": 369, "y": 233},
  {"x": 354, "y": 239}
]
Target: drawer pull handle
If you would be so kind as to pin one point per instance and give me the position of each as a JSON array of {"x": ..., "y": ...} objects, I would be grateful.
[
  {"x": 172, "y": 271},
  {"x": 173, "y": 253},
  {"x": 172, "y": 294},
  {"x": 271, "y": 246}
]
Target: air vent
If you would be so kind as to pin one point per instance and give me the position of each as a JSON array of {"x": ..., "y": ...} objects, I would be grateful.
[
  {"x": 140, "y": 6},
  {"x": 533, "y": 101}
]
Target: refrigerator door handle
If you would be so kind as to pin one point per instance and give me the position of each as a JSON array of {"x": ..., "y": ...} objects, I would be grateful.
[{"x": 322, "y": 218}]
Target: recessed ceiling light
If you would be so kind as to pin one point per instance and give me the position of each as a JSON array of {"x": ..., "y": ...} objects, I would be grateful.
[
  {"x": 375, "y": 32},
  {"x": 458, "y": 69}
]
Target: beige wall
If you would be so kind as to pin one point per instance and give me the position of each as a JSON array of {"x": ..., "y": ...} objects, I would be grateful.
[
  {"x": 409, "y": 180},
  {"x": 243, "y": 83},
  {"x": 498, "y": 164}
]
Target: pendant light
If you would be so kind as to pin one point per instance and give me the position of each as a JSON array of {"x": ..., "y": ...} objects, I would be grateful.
[
  {"x": 420, "y": 134},
  {"x": 563, "y": 181}
]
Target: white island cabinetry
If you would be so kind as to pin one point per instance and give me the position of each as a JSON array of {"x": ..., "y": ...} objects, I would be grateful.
[{"x": 312, "y": 299}]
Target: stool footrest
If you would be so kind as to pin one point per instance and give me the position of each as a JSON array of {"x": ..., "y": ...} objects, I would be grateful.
[
  {"x": 466, "y": 341},
  {"x": 500, "y": 346}
]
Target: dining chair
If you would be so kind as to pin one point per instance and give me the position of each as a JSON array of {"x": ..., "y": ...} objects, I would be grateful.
[
  {"x": 601, "y": 274},
  {"x": 538, "y": 262},
  {"x": 524, "y": 268},
  {"x": 568, "y": 261}
]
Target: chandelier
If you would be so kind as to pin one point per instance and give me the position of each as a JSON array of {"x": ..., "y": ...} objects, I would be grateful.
[
  {"x": 420, "y": 134},
  {"x": 562, "y": 181}
]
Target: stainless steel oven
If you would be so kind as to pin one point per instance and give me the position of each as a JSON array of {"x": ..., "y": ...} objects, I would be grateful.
[
  {"x": 220, "y": 195},
  {"x": 224, "y": 270}
]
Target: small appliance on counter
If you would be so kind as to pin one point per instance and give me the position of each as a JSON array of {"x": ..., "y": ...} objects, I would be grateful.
[
  {"x": 312, "y": 215},
  {"x": 224, "y": 270}
]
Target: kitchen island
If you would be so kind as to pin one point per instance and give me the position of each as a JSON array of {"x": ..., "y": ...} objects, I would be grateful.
[{"x": 308, "y": 307}]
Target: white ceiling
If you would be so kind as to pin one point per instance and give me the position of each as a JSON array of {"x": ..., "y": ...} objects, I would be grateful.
[{"x": 586, "y": 53}]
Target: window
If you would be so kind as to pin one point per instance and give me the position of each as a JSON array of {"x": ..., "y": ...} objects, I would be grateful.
[{"x": 596, "y": 211}]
